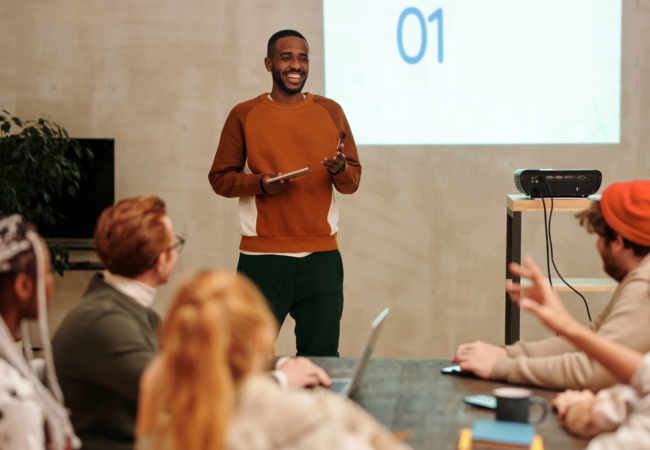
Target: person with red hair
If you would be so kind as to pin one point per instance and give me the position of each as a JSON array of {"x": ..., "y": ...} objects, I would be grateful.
[
  {"x": 621, "y": 219},
  {"x": 107, "y": 339},
  {"x": 207, "y": 388}
]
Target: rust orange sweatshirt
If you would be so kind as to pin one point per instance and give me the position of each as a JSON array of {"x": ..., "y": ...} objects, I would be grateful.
[{"x": 262, "y": 136}]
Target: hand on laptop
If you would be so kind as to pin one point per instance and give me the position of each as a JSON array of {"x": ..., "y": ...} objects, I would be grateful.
[
  {"x": 478, "y": 357},
  {"x": 301, "y": 372}
]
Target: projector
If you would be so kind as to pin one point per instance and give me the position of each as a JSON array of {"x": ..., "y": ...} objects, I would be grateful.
[{"x": 558, "y": 183}]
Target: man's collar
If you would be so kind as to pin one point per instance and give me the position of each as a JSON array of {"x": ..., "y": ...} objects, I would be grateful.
[{"x": 140, "y": 293}]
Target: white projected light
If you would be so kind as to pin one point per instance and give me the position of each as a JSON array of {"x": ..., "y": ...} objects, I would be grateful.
[{"x": 476, "y": 71}]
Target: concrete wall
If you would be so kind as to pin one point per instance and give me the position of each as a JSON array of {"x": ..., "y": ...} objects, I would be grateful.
[{"x": 425, "y": 234}]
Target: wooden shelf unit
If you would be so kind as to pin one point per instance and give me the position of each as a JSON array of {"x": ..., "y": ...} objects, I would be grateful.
[
  {"x": 580, "y": 284},
  {"x": 517, "y": 204}
]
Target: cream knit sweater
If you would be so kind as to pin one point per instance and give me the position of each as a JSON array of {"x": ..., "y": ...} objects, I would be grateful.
[{"x": 556, "y": 363}]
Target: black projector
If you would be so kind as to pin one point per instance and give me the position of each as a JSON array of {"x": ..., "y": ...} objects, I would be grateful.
[{"x": 558, "y": 183}]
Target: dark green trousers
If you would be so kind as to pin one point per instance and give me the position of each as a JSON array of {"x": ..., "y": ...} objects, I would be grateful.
[{"x": 309, "y": 288}]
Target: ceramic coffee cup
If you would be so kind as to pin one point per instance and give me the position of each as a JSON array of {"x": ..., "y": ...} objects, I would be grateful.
[{"x": 513, "y": 405}]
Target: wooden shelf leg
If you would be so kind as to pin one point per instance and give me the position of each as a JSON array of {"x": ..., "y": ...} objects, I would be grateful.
[{"x": 513, "y": 254}]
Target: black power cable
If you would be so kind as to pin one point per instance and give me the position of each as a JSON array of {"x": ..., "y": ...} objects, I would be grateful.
[{"x": 549, "y": 244}]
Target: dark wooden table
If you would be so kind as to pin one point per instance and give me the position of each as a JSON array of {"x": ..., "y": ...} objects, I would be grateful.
[{"x": 413, "y": 394}]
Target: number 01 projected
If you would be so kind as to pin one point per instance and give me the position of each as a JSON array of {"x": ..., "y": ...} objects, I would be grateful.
[
  {"x": 423, "y": 26},
  {"x": 443, "y": 72}
]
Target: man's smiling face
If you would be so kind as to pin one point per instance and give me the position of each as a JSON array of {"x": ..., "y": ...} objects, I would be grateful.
[{"x": 290, "y": 64}]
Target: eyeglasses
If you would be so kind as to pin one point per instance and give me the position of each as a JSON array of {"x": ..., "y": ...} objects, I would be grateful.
[{"x": 178, "y": 245}]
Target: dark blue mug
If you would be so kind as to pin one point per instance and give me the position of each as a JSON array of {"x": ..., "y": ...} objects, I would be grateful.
[{"x": 513, "y": 405}]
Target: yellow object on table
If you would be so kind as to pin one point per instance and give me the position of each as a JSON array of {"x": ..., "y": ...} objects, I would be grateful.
[{"x": 465, "y": 441}]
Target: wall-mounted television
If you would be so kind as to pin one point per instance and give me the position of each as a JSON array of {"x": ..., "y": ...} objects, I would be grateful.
[{"x": 96, "y": 192}]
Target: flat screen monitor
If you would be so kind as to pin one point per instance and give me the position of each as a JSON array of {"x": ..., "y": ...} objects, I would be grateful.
[{"x": 96, "y": 192}]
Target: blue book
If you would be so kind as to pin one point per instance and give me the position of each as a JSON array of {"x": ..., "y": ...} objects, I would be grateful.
[{"x": 511, "y": 434}]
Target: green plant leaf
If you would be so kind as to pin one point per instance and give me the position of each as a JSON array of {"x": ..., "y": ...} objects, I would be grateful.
[
  {"x": 71, "y": 190},
  {"x": 17, "y": 121},
  {"x": 5, "y": 127}
]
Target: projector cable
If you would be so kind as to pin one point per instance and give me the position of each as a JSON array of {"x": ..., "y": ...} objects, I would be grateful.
[{"x": 549, "y": 244}]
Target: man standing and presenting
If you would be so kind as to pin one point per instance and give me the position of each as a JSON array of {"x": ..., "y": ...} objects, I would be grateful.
[{"x": 289, "y": 246}]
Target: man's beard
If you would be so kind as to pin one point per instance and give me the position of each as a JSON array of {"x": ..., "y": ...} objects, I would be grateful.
[
  {"x": 612, "y": 267},
  {"x": 277, "y": 77}
]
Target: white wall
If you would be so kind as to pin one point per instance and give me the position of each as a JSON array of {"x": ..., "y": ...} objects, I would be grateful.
[{"x": 424, "y": 235}]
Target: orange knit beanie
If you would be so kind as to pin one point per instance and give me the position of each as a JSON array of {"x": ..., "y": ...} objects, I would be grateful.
[{"x": 626, "y": 208}]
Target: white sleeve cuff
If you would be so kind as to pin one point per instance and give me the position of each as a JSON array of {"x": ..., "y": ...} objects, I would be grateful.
[
  {"x": 281, "y": 361},
  {"x": 281, "y": 378}
]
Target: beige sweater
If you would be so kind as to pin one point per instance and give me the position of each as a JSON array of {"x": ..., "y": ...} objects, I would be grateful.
[
  {"x": 267, "y": 417},
  {"x": 624, "y": 413},
  {"x": 556, "y": 363}
]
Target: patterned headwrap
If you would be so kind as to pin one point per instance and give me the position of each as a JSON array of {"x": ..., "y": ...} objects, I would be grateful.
[{"x": 12, "y": 245}]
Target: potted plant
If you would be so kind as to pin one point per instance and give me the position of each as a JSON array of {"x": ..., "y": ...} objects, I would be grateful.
[{"x": 38, "y": 162}]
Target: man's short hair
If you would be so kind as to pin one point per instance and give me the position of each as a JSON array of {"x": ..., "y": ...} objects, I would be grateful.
[
  {"x": 270, "y": 49},
  {"x": 130, "y": 235},
  {"x": 592, "y": 219}
]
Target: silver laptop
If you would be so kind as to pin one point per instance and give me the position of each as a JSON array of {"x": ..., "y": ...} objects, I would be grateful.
[{"x": 346, "y": 386}]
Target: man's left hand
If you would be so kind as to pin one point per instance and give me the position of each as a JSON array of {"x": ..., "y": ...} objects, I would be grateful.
[
  {"x": 477, "y": 359},
  {"x": 301, "y": 372},
  {"x": 336, "y": 162}
]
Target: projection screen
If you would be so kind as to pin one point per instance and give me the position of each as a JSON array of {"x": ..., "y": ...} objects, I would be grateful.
[{"x": 475, "y": 71}]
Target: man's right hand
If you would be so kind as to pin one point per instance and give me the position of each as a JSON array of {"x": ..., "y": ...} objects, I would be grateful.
[
  {"x": 301, "y": 372},
  {"x": 540, "y": 298},
  {"x": 273, "y": 188},
  {"x": 480, "y": 347},
  {"x": 478, "y": 357}
]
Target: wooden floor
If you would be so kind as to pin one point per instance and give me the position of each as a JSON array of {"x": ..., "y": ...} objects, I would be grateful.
[{"x": 413, "y": 394}]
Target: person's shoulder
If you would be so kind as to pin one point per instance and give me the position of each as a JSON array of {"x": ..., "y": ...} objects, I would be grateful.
[
  {"x": 264, "y": 402},
  {"x": 302, "y": 408},
  {"x": 9, "y": 376},
  {"x": 242, "y": 109},
  {"x": 641, "y": 272},
  {"x": 327, "y": 103},
  {"x": 634, "y": 287},
  {"x": 100, "y": 308},
  {"x": 298, "y": 418},
  {"x": 99, "y": 299}
]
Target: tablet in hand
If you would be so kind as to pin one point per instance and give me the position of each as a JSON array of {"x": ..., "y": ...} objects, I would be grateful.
[{"x": 296, "y": 174}]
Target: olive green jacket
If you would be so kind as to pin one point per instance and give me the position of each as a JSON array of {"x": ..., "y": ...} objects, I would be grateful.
[{"x": 100, "y": 351}]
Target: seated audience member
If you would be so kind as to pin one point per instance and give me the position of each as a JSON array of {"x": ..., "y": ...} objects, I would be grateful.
[
  {"x": 620, "y": 413},
  {"x": 207, "y": 389},
  {"x": 107, "y": 339},
  {"x": 31, "y": 416},
  {"x": 622, "y": 221}
]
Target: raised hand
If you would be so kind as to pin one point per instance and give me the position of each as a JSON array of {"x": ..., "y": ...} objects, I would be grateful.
[
  {"x": 336, "y": 162},
  {"x": 540, "y": 297}
]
